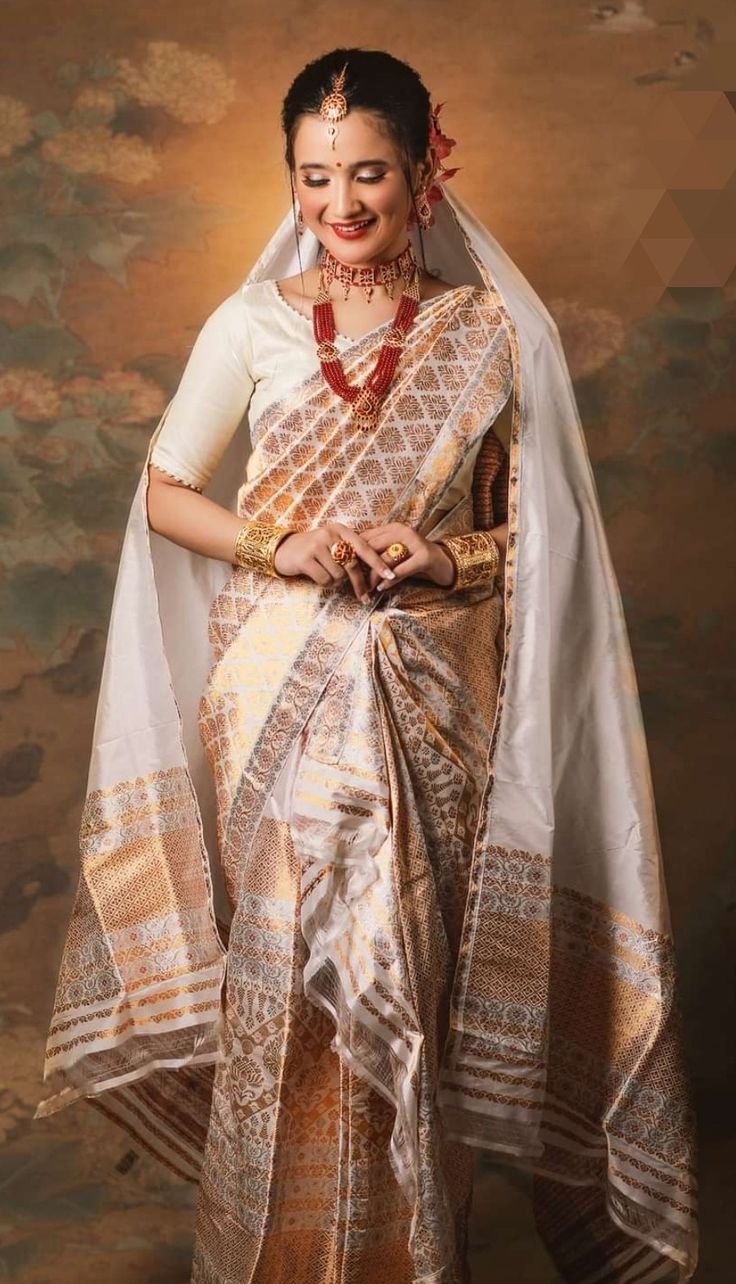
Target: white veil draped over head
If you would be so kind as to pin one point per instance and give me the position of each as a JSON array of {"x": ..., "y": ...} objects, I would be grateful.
[{"x": 564, "y": 1054}]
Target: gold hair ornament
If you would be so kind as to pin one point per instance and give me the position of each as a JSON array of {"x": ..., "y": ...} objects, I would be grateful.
[
  {"x": 440, "y": 146},
  {"x": 334, "y": 106}
]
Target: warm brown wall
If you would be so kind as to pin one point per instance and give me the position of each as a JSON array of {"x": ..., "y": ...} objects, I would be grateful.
[{"x": 573, "y": 125}]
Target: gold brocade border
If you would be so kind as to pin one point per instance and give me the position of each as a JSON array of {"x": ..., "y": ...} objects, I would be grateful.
[
  {"x": 515, "y": 442},
  {"x": 586, "y": 1027},
  {"x": 146, "y": 1024}
]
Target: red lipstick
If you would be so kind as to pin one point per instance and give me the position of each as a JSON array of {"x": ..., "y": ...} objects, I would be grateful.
[{"x": 353, "y": 230}]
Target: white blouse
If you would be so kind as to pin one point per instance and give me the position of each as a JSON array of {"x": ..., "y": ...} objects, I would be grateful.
[{"x": 250, "y": 350}]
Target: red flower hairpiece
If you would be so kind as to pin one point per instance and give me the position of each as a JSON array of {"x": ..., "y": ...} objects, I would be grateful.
[{"x": 440, "y": 146}]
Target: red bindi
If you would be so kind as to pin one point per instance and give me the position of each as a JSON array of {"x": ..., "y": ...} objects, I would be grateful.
[{"x": 339, "y": 164}]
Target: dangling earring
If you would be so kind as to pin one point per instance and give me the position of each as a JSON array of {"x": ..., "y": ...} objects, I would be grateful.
[
  {"x": 424, "y": 209},
  {"x": 298, "y": 213}
]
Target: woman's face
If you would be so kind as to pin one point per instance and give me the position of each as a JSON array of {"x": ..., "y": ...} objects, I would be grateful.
[{"x": 358, "y": 181}]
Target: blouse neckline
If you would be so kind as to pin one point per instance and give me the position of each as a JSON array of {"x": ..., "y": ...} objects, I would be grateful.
[{"x": 435, "y": 298}]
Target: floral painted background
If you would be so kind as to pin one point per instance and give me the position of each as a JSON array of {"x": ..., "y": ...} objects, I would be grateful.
[
  {"x": 78, "y": 190},
  {"x": 140, "y": 173}
]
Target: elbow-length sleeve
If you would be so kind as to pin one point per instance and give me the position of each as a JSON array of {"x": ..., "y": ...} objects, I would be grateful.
[
  {"x": 490, "y": 483},
  {"x": 211, "y": 399}
]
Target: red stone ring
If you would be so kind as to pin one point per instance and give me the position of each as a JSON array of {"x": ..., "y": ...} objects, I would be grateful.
[{"x": 344, "y": 554}]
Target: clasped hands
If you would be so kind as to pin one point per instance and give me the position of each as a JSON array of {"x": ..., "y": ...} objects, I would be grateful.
[{"x": 308, "y": 553}]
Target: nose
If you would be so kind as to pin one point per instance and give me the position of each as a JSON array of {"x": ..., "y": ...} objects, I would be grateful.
[{"x": 345, "y": 198}]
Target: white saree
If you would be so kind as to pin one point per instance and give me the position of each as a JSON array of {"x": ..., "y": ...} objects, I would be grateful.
[{"x": 476, "y": 922}]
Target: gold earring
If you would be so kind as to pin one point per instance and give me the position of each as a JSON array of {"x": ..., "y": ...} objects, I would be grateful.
[
  {"x": 424, "y": 209},
  {"x": 300, "y": 220}
]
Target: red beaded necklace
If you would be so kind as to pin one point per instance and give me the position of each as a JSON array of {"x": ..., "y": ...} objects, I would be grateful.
[{"x": 365, "y": 398}]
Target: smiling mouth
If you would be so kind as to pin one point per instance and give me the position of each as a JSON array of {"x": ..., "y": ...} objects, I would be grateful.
[{"x": 352, "y": 227}]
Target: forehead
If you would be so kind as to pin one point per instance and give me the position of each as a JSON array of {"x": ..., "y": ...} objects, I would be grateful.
[{"x": 360, "y": 135}]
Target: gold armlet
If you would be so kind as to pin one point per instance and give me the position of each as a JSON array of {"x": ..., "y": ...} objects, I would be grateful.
[
  {"x": 256, "y": 544},
  {"x": 475, "y": 556}
]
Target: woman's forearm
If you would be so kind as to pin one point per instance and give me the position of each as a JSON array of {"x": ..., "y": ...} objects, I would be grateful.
[
  {"x": 195, "y": 522},
  {"x": 190, "y": 519}
]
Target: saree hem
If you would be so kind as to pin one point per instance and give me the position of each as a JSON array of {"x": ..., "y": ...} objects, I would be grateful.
[{"x": 67, "y": 1096}]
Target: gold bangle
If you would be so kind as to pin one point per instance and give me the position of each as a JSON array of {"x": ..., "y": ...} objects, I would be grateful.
[
  {"x": 475, "y": 556},
  {"x": 256, "y": 544}
]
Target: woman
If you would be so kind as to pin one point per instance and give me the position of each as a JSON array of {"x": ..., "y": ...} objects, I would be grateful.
[{"x": 416, "y": 789}]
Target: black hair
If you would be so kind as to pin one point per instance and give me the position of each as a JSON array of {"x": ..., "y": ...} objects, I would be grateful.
[{"x": 375, "y": 81}]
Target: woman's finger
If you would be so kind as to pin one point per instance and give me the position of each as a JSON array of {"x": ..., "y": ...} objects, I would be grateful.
[
  {"x": 376, "y": 575},
  {"x": 410, "y": 566},
  {"x": 357, "y": 577},
  {"x": 374, "y": 532},
  {"x": 335, "y": 571},
  {"x": 374, "y": 539},
  {"x": 365, "y": 552},
  {"x": 392, "y": 532},
  {"x": 316, "y": 571}
]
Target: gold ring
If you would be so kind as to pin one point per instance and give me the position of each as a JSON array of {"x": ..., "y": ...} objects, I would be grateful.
[
  {"x": 395, "y": 553},
  {"x": 343, "y": 553}
]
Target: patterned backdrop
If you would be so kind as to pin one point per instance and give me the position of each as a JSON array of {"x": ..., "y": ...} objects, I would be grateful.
[{"x": 141, "y": 171}]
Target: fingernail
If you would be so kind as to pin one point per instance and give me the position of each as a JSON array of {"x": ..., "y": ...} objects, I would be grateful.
[
  {"x": 366, "y": 599},
  {"x": 388, "y": 574},
  {"x": 380, "y": 586}
]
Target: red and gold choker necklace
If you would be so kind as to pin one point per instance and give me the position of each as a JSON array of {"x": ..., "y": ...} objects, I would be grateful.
[
  {"x": 367, "y": 278},
  {"x": 365, "y": 398}
]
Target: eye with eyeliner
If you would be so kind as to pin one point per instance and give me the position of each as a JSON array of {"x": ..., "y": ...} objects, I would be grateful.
[{"x": 320, "y": 182}]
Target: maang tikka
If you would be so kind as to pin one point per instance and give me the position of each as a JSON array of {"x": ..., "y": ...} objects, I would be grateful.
[{"x": 334, "y": 106}]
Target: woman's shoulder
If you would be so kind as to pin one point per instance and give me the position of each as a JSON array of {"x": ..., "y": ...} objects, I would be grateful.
[
  {"x": 256, "y": 295},
  {"x": 474, "y": 299},
  {"x": 239, "y": 324},
  {"x": 245, "y": 301},
  {"x": 248, "y": 310},
  {"x": 487, "y": 305},
  {"x": 230, "y": 317},
  {"x": 299, "y": 289},
  {"x": 434, "y": 286}
]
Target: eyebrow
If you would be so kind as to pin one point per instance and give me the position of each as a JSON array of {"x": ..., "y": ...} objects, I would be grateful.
[{"x": 357, "y": 165}]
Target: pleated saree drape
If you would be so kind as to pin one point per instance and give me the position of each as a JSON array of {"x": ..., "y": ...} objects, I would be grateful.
[{"x": 442, "y": 916}]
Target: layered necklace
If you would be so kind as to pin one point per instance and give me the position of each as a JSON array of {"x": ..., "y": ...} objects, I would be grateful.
[{"x": 365, "y": 398}]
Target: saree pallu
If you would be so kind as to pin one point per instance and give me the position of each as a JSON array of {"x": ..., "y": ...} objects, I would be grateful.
[{"x": 442, "y": 922}]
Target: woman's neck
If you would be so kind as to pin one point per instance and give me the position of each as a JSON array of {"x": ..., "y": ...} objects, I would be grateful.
[
  {"x": 392, "y": 274},
  {"x": 372, "y": 265}
]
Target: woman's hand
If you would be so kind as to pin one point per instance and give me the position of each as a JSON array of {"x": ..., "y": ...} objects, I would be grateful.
[
  {"x": 308, "y": 553},
  {"x": 427, "y": 559}
]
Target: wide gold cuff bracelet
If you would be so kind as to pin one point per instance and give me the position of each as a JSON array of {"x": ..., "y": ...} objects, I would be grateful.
[
  {"x": 476, "y": 557},
  {"x": 256, "y": 544}
]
